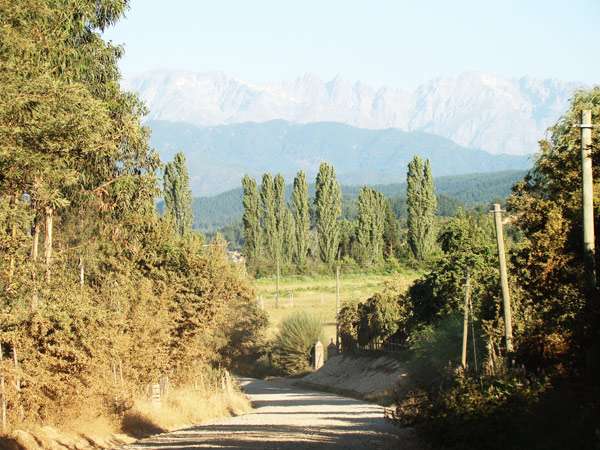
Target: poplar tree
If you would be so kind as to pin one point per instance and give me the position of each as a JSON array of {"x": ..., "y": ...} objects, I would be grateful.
[
  {"x": 371, "y": 222},
  {"x": 328, "y": 208},
  {"x": 268, "y": 218},
  {"x": 421, "y": 207},
  {"x": 289, "y": 236},
  {"x": 251, "y": 219},
  {"x": 280, "y": 216},
  {"x": 178, "y": 195},
  {"x": 300, "y": 210},
  {"x": 391, "y": 238}
]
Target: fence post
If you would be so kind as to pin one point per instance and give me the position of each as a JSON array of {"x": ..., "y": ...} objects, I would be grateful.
[{"x": 318, "y": 358}]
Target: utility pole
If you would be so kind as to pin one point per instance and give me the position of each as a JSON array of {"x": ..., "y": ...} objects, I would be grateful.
[
  {"x": 463, "y": 358},
  {"x": 588, "y": 195},
  {"x": 503, "y": 277}
]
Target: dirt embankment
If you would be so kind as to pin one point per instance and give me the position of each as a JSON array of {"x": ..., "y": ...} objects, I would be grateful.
[{"x": 371, "y": 377}]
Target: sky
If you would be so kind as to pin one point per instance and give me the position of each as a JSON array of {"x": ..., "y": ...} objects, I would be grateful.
[{"x": 399, "y": 43}]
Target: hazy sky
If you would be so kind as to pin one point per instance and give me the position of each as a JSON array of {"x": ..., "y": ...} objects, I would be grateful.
[{"x": 395, "y": 42}]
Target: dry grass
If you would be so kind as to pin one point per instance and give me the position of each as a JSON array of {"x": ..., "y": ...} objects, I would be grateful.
[
  {"x": 182, "y": 407},
  {"x": 316, "y": 295}
]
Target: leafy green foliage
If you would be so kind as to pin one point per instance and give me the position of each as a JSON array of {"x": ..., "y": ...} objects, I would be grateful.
[{"x": 125, "y": 297}]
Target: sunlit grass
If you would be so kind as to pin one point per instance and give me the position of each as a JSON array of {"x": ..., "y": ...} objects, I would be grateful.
[{"x": 316, "y": 295}]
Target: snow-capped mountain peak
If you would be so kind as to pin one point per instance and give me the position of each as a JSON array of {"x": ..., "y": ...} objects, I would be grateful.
[{"x": 474, "y": 109}]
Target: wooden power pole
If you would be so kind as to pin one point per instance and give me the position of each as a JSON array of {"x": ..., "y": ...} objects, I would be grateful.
[
  {"x": 463, "y": 358},
  {"x": 588, "y": 195},
  {"x": 503, "y": 277}
]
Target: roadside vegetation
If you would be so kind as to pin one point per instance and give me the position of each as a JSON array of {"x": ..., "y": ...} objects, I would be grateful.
[
  {"x": 542, "y": 394},
  {"x": 99, "y": 296}
]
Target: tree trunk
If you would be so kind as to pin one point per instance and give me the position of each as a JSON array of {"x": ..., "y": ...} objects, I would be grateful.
[
  {"x": 81, "y": 272},
  {"x": 35, "y": 245},
  {"x": 13, "y": 235},
  {"x": 48, "y": 240}
]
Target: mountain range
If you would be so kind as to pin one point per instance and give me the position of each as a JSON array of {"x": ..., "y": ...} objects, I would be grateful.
[
  {"x": 476, "y": 110},
  {"x": 219, "y": 156}
]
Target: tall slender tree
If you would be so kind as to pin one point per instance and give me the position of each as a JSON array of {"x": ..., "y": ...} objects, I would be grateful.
[
  {"x": 178, "y": 195},
  {"x": 328, "y": 208},
  {"x": 268, "y": 217},
  {"x": 391, "y": 235},
  {"x": 421, "y": 207},
  {"x": 289, "y": 237},
  {"x": 280, "y": 216},
  {"x": 301, "y": 212},
  {"x": 251, "y": 219},
  {"x": 371, "y": 222}
]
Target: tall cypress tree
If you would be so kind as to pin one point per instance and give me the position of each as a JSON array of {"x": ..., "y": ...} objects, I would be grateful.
[
  {"x": 268, "y": 218},
  {"x": 300, "y": 210},
  {"x": 251, "y": 219},
  {"x": 328, "y": 208},
  {"x": 178, "y": 195},
  {"x": 421, "y": 206}
]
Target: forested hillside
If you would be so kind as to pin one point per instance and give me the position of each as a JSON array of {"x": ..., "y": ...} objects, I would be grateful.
[
  {"x": 219, "y": 156},
  {"x": 214, "y": 212}
]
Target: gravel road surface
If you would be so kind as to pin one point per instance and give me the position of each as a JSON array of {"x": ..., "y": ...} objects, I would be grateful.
[{"x": 287, "y": 417}]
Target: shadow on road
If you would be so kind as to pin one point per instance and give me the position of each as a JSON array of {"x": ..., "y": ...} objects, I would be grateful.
[{"x": 287, "y": 417}]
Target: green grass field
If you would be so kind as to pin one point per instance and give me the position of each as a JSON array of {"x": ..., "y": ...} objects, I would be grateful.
[{"x": 316, "y": 295}]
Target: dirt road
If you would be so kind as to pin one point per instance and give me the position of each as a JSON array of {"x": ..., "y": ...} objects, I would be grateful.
[{"x": 287, "y": 417}]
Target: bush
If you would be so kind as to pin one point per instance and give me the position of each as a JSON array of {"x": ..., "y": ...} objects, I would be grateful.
[
  {"x": 347, "y": 322},
  {"x": 435, "y": 349},
  {"x": 297, "y": 335}
]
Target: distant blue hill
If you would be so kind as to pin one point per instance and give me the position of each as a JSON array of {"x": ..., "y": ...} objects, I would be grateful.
[{"x": 219, "y": 156}]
